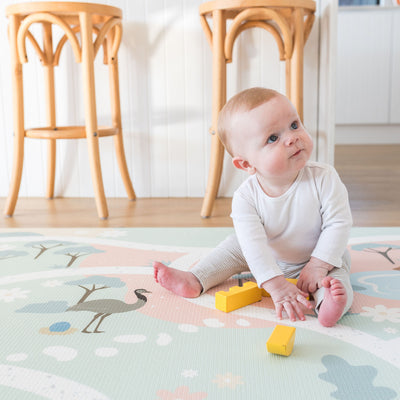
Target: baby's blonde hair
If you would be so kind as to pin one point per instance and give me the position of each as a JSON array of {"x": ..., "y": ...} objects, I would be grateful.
[{"x": 241, "y": 102}]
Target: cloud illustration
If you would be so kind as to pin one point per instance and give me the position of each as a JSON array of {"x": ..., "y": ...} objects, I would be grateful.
[{"x": 51, "y": 307}]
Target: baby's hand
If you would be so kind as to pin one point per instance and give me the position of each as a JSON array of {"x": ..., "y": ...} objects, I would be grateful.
[
  {"x": 287, "y": 296},
  {"x": 312, "y": 274}
]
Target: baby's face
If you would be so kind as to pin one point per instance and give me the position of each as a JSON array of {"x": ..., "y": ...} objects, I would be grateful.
[{"x": 273, "y": 140}]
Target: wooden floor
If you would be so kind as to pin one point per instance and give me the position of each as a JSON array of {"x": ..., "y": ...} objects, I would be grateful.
[{"x": 371, "y": 174}]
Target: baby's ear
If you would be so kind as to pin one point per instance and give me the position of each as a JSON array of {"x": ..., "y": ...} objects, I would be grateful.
[{"x": 240, "y": 163}]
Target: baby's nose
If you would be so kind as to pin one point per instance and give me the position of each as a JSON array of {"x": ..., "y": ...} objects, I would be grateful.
[{"x": 291, "y": 139}]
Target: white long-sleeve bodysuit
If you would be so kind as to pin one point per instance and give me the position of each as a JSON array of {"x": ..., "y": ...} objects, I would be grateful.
[{"x": 278, "y": 235}]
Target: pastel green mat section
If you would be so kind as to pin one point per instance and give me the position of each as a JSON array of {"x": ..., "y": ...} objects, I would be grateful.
[{"x": 83, "y": 318}]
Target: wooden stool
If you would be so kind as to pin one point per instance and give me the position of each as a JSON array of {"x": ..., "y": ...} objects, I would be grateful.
[
  {"x": 289, "y": 21},
  {"x": 72, "y": 18}
]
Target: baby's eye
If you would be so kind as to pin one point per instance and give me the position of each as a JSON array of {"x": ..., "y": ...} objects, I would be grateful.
[
  {"x": 272, "y": 139},
  {"x": 294, "y": 125}
]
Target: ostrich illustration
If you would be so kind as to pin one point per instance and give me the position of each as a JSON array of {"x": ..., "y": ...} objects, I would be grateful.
[{"x": 105, "y": 307}]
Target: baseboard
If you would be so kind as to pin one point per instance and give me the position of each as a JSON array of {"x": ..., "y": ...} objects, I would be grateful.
[{"x": 367, "y": 134}]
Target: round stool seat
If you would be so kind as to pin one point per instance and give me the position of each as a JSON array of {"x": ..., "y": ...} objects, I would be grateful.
[
  {"x": 240, "y": 5},
  {"x": 64, "y": 8}
]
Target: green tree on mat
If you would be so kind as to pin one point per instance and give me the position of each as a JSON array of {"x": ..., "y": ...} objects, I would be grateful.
[
  {"x": 45, "y": 245},
  {"x": 104, "y": 282},
  {"x": 80, "y": 251},
  {"x": 379, "y": 248}
]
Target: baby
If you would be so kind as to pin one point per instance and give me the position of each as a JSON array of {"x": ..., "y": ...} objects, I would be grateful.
[{"x": 291, "y": 216}]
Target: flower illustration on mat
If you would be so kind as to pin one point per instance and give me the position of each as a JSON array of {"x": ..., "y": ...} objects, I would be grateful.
[
  {"x": 189, "y": 373},
  {"x": 381, "y": 313},
  {"x": 228, "y": 380},
  {"x": 181, "y": 393},
  {"x": 9, "y": 295}
]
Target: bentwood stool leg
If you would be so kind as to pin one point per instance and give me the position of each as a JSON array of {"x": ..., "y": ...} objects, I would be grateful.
[
  {"x": 218, "y": 101},
  {"x": 50, "y": 106},
  {"x": 295, "y": 83},
  {"x": 18, "y": 118},
  {"x": 116, "y": 113},
  {"x": 90, "y": 113}
]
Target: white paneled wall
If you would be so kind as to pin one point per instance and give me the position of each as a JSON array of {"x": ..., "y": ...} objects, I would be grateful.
[
  {"x": 368, "y": 80},
  {"x": 165, "y": 82}
]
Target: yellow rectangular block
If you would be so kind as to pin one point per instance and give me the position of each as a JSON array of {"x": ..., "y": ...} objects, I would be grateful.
[
  {"x": 237, "y": 297},
  {"x": 281, "y": 340}
]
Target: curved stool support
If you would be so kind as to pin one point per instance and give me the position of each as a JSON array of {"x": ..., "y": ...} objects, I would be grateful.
[
  {"x": 260, "y": 15},
  {"x": 255, "y": 24},
  {"x": 53, "y": 19}
]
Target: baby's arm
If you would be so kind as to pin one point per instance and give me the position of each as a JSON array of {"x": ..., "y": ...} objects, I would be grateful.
[
  {"x": 336, "y": 222},
  {"x": 286, "y": 296},
  {"x": 312, "y": 274}
]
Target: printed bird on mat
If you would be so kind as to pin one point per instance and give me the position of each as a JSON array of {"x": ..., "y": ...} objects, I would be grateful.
[{"x": 106, "y": 307}]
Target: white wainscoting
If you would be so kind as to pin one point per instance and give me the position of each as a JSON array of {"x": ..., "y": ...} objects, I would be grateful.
[
  {"x": 165, "y": 82},
  {"x": 368, "y": 79}
]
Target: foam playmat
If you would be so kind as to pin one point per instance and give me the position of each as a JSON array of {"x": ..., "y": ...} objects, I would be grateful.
[{"x": 82, "y": 318}]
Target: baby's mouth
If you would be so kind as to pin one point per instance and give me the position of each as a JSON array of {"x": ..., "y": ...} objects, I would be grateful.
[{"x": 297, "y": 153}]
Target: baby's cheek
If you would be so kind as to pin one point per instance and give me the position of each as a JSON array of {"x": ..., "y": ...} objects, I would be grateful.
[{"x": 278, "y": 164}]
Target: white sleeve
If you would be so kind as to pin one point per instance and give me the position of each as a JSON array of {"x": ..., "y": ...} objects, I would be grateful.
[
  {"x": 336, "y": 219},
  {"x": 253, "y": 239}
]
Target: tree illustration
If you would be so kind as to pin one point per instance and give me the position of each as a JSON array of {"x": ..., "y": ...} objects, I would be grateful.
[
  {"x": 76, "y": 252},
  {"x": 45, "y": 245},
  {"x": 95, "y": 282},
  {"x": 379, "y": 248}
]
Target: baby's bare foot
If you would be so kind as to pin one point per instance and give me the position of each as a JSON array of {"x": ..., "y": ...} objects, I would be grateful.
[
  {"x": 182, "y": 283},
  {"x": 332, "y": 306}
]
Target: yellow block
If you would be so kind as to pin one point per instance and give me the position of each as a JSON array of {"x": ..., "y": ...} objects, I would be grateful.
[
  {"x": 281, "y": 340},
  {"x": 237, "y": 297}
]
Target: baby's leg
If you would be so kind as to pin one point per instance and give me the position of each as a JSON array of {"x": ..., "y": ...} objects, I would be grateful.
[
  {"x": 334, "y": 302},
  {"x": 220, "y": 264},
  {"x": 336, "y": 296},
  {"x": 182, "y": 283}
]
